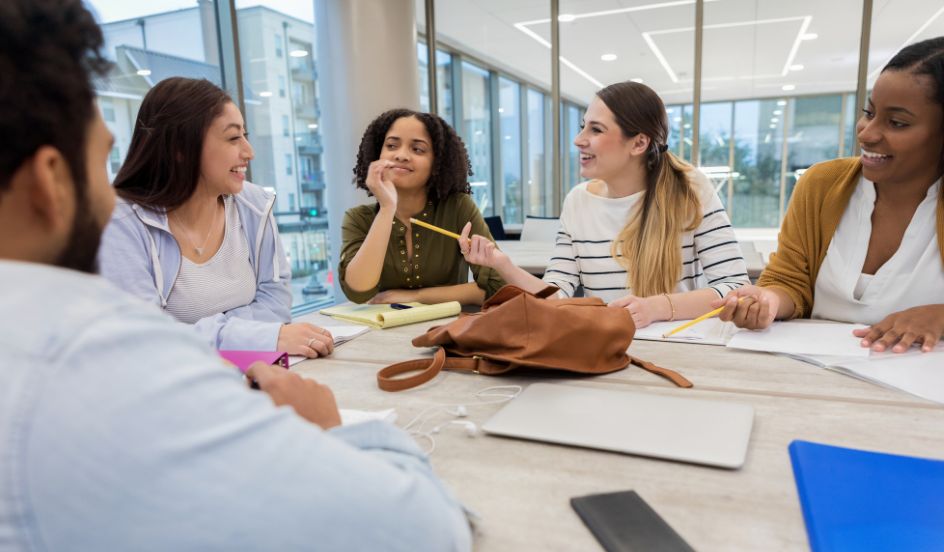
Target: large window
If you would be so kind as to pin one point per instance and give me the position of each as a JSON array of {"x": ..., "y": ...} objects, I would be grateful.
[
  {"x": 443, "y": 81},
  {"x": 280, "y": 98},
  {"x": 477, "y": 133},
  {"x": 539, "y": 197},
  {"x": 509, "y": 116}
]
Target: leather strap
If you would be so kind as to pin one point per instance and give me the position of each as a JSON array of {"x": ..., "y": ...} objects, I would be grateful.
[
  {"x": 671, "y": 375},
  {"x": 428, "y": 369}
]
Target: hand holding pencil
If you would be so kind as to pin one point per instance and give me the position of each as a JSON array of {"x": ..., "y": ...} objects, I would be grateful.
[
  {"x": 750, "y": 307},
  {"x": 477, "y": 250}
]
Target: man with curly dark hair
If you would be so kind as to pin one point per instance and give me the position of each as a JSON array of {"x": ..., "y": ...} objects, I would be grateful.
[
  {"x": 121, "y": 429},
  {"x": 416, "y": 166}
]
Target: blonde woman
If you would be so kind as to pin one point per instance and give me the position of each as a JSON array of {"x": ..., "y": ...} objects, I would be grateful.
[{"x": 646, "y": 233}]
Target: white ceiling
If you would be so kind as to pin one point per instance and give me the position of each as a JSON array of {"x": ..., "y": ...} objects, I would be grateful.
[{"x": 748, "y": 50}]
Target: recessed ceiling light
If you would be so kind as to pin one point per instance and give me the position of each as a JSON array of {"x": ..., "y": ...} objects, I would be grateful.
[
  {"x": 313, "y": 126},
  {"x": 774, "y": 120},
  {"x": 788, "y": 87},
  {"x": 265, "y": 94},
  {"x": 144, "y": 72},
  {"x": 608, "y": 57},
  {"x": 637, "y": 79},
  {"x": 778, "y": 111},
  {"x": 298, "y": 53},
  {"x": 566, "y": 17},
  {"x": 781, "y": 102},
  {"x": 796, "y": 67},
  {"x": 809, "y": 36}
]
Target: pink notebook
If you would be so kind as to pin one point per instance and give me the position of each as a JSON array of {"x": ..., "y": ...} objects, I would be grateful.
[{"x": 242, "y": 359}]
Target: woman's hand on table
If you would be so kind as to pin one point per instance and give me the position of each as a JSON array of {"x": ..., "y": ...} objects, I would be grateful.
[
  {"x": 643, "y": 309},
  {"x": 305, "y": 339},
  {"x": 900, "y": 330},
  {"x": 395, "y": 296}
]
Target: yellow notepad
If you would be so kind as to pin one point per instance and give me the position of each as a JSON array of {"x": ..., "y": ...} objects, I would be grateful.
[{"x": 385, "y": 316}]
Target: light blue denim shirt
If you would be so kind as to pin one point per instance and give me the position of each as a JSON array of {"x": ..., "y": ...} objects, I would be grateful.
[
  {"x": 122, "y": 430},
  {"x": 140, "y": 255}
]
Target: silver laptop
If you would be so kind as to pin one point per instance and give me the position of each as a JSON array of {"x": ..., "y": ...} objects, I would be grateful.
[{"x": 675, "y": 428}]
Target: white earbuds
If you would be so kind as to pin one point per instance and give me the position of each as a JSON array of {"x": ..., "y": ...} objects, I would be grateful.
[
  {"x": 490, "y": 395},
  {"x": 470, "y": 428}
]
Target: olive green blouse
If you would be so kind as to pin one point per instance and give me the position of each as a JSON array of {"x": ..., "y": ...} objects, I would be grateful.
[{"x": 436, "y": 259}]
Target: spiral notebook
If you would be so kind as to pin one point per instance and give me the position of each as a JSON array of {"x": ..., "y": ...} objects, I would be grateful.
[{"x": 385, "y": 316}]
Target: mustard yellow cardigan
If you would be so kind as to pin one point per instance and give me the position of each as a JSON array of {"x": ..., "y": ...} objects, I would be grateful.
[{"x": 818, "y": 202}]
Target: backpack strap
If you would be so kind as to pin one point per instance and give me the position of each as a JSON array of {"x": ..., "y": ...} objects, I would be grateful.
[
  {"x": 426, "y": 369},
  {"x": 671, "y": 375}
]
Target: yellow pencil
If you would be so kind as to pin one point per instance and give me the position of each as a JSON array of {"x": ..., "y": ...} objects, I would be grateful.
[
  {"x": 701, "y": 318},
  {"x": 452, "y": 235}
]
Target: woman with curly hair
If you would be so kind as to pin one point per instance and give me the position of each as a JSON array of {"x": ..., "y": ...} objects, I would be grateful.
[{"x": 416, "y": 166}]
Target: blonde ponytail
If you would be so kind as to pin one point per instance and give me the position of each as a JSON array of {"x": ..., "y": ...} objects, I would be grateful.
[{"x": 649, "y": 246}]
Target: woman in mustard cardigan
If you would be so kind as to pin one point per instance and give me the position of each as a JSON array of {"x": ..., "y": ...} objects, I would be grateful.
[{"x": 863, "y": 238}]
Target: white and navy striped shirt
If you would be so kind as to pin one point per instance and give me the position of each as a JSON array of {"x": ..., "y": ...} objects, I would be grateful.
[
  {"x": 225, "y": 282},
  {"x": 711, "y": 256}
]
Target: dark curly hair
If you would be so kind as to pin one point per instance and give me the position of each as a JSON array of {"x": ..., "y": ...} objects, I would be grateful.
[
  {"x": 49, "y": 52},
  {"x": 451, "y": 167}
]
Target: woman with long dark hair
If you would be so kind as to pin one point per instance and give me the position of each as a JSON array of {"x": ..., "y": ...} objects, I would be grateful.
[
  {"x": 863, "y": 238},
  {"x": 646, "y": 232},
  {"x": 192, "y": 236}
]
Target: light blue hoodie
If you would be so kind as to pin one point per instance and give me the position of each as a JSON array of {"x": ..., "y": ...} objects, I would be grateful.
[{"x": 140, "y": 255}]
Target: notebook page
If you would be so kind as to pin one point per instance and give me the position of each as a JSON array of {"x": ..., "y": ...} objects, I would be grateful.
[
  {"x": 803, "y": 338},
  {"x": 710, "y": 332}
]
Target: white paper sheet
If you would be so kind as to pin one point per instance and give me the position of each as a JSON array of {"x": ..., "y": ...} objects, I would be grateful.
[
  {"x": 710, "y": 332},
  {"x": 341, "y": 334},
  {"x": 803, "y": 338}
]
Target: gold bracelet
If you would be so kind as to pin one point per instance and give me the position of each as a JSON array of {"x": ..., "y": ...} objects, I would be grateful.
[{"x": 671, "y": 306}]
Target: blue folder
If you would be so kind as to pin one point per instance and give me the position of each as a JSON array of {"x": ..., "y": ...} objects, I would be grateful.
[{"x": 861, "y": 500}]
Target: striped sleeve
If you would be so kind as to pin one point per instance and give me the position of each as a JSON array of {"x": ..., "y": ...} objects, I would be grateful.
[
  {"x": 716, "y": 248},
  {"x": 562, "y": 270}
]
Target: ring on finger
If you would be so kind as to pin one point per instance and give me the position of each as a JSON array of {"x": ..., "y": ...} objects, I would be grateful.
[{"x": 310, "y": 341}]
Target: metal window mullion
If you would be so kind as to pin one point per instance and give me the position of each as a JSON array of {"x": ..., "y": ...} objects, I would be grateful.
[
  {"x": 431, "y": 54},
  {"x": 555, "y": 106},
  {"x": 784, "y": 152},
  {"x": 524, "y": 150},
  {"x": 696, "y": 91},
  {"x": 227, "y": 36},
  {"x": 864, "y": 39},
  {"x": 731, "y": 154},
  {"x": 493, "y": 102}
]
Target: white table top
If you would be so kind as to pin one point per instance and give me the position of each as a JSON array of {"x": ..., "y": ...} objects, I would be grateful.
[{"x": 522, "y": 489}]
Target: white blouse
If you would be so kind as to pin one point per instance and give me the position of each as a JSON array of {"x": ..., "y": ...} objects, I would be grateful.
[{"x": 912, "y": 277}]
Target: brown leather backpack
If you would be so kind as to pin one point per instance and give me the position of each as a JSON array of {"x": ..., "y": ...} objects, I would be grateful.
[{"x": 517, "y": 329}]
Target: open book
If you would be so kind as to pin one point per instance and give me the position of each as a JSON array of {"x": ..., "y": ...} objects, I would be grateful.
[
  {"x": 915, "y": 372},
  {"x": 385, "y": 316}
]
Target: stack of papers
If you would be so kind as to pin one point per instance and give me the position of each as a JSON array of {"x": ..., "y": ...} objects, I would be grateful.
[
  {"x": 385, "y": 316},
  {"x": 828, "y": 345}
]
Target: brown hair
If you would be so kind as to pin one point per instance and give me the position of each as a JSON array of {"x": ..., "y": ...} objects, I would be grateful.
[
  {"x": 163, "y": 163},
  {"x": 649, "y": 244}
]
